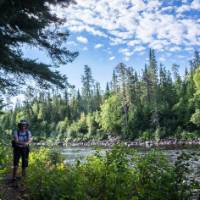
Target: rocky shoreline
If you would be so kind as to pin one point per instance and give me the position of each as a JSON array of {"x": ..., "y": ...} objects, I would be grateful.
[{"x": 115, "y": 141}]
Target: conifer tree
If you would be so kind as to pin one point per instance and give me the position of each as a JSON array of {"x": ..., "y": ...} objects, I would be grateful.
[
  {"x": 88, "y": 88},
  {"x": 31, "y": 23}
]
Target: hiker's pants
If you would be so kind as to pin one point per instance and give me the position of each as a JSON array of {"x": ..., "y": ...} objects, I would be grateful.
[{"x": 20, "y": 152}]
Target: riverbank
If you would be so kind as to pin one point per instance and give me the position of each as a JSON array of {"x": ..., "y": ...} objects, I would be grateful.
[{"x": 115, "y": 141}]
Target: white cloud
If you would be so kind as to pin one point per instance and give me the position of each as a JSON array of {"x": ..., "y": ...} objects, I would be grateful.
[
  {"x": 97, "y": 46},
  {"x": 153, "y": 5},
  {"x": 82, "y": 40},
  {"x": 86, "y": 28},
  {"x": 183, "y": 8},
  {"x": 175, "y": 48},
  {"x": 139, "y": 49},
  {"x": 195, "y": 5},
  {"x": 116, "y": 41},
  {"x": 133, "y": 42},
  {"x": 127, "y": 53},
  {"x": 112, "y": 58},
  {"x": 135, "y": 23},
  {"x": 168, "y": 8}
]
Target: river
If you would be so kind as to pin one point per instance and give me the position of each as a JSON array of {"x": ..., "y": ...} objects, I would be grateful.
[{"x": 72, "y": 154}]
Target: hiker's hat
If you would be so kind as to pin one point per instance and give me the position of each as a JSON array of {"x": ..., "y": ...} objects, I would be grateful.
[{"x": 23, "y": 122}]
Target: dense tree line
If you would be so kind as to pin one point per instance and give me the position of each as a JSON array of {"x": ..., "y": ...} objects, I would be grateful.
[{"x": 154, "y": 104}]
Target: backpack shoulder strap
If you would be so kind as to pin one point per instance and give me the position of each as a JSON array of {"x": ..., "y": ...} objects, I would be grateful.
[{"x": 27, "y": 134}]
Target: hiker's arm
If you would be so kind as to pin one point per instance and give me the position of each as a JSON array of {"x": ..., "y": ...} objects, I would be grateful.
[
  {"x": 19, "y": 142},
  {"x": 24, "y": 143},
  {"x": 15, "y": 138},
  {"x": 30, "y": 138},
  {"x": 29, "y": 141}
]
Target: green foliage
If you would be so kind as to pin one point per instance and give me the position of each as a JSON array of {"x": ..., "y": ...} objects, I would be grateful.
[
  {"x": 111, "y": 112},
  {"x": 196, "y": 117},
  {"x": 79, "y": 128},
  {"x": 121, "y": 174},
  {"x": 145, "y": 136},
  {"x": 63, "y": 125},
  {"x": 157, "y": 134},
  {"x": 197, "y": 79},
  {"x": 92, "y": 124},
  {"x": 5, "y": 152},
  {"x": 5, "y": 156},
  {"x": 185, "y": 135}
]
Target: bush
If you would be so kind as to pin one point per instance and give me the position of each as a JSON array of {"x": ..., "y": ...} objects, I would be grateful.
[
  {"x": 188, "y": 135},
  {"x": 5, "y": 158},
  {"x": 121, "y": 174},
  {"x": 146, "y": 135}
]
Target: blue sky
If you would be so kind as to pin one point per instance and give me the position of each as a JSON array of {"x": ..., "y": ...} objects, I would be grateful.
[{"x": 106, "y": 32}]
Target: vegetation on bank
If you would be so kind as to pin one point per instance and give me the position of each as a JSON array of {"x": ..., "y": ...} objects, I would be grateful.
[
  {"x": 157, "y": 103},
  {"x": 120, "y": 174}
]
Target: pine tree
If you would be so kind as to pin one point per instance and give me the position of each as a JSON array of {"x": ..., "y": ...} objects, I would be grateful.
[
  {"x": 107, "y": 90},
  {"x": 30, "y": 23},
  {"x": 87, "y": 88},
  {"x": 195, "y": 62},
  {"x": 97, "y": 96},
  {"x": 121, "y": 72},
  {"x": 114, "y": 82}
]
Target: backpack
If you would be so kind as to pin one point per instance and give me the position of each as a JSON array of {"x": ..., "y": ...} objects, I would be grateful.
[{"x": 13, "y": 142}]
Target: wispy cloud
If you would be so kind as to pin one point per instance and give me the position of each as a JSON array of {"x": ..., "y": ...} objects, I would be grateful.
[
  {"x": 112, "y": 58},
  {"x": 97, "y": 46},
  {"x": 82, "y": 40},
  {"x": 127, "y": 53}
]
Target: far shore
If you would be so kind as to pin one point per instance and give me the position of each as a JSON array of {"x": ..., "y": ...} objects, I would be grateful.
[{"x": 110, "y": 143}]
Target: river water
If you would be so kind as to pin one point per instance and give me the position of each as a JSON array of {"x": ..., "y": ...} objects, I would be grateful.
[{"x": 72, "y": 154}]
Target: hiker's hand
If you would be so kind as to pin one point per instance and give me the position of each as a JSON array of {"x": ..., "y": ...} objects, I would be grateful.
[{"x": 24, "y": 144}]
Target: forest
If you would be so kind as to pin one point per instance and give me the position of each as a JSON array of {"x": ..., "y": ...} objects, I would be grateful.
[{"x": 150, "y": 105}]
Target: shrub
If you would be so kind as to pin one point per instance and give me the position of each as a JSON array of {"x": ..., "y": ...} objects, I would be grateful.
[{"x": 121, "y": 174}]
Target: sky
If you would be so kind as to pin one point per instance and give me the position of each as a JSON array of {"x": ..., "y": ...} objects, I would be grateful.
[{"x": 106, "y": 32}]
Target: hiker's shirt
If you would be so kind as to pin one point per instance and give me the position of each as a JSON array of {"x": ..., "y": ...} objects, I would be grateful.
[{"x": 20, "y": 136}]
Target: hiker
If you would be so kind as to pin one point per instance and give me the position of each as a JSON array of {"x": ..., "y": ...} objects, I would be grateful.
[{"x": 20, "y": 143}]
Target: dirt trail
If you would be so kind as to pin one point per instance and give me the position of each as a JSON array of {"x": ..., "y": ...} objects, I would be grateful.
[{"x": 12, "y": 191}]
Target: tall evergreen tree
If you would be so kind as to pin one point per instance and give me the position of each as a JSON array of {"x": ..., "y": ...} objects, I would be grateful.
[
  {"x": 114, "y": 82},
  {"x": 88, "y": 88},
  {"x": 107, "y": 90},
  {"x": 30, "y": 23}
]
